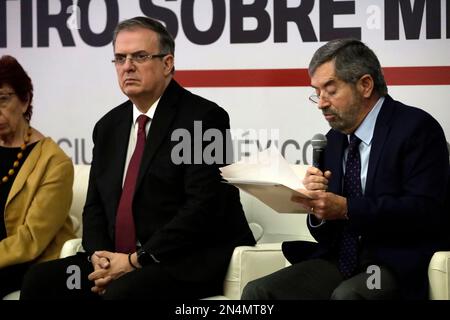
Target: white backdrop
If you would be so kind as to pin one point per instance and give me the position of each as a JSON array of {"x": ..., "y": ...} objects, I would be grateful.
[{"x": 75, "y": 82}]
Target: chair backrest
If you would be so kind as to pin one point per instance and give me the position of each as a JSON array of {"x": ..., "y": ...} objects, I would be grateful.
[{"x": 80, "y": 184}]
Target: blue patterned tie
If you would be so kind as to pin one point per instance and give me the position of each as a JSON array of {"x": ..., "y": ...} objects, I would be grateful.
[{"x": 348, "y": 246}]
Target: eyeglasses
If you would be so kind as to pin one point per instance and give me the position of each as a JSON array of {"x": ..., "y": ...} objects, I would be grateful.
[
  {"x": 5, "y": 97},
  {"x": 324, "y": 95},
  {"x": 139, "y": 57}
]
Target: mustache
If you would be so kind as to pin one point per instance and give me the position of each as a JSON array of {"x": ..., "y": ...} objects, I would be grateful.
[{"x": 329, "y": 112}]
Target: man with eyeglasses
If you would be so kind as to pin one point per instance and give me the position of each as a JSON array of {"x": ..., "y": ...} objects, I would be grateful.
[
  {"x": 376, "y": 207},
  {"x": 152, "y": 228}
]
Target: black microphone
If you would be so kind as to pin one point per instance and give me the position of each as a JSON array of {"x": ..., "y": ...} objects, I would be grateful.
[{"x": 318, "y": 142}]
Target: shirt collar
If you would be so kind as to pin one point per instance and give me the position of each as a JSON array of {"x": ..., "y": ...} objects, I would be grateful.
[
  {"x": 367, "y": 127},
  {"x": 150, "y": 112}
]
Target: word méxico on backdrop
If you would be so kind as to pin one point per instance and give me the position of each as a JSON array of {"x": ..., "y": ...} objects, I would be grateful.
[{"x": 209, "y": 146}]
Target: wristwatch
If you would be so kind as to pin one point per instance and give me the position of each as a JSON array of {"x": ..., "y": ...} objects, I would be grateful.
[{"x": 144, "y": 258}]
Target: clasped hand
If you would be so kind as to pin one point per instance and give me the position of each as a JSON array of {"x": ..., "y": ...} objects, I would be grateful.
[
  {"x": 108, "y": 266},
  {"x": 322, "y": 204}
]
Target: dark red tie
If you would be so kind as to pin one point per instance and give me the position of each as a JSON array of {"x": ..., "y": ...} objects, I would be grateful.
[{"x": 125, "y": 230}]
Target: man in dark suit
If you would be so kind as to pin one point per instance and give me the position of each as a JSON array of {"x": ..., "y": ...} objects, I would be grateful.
[
  {"x": 377, "y": 201},
  {"x": 158, "y": 223}
]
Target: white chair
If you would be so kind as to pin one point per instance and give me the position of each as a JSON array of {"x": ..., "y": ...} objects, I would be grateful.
[
  {"x": 270, "y": 230},
  {"x": 438, "y": 276}
]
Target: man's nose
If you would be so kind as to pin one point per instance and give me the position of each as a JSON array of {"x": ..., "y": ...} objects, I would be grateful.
[
  {"x": 128, "y": 64},
  {"x": 323, "y": 103}
]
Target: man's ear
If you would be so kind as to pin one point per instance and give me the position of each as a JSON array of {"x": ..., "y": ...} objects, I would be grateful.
[
  {"x": 168, "y": 64},
  {"x": 365, "y": 85}
]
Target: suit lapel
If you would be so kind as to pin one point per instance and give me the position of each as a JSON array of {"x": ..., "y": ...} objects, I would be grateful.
[
  {"x": 379, "y": 138},
  {"x": 116, "y": 164},
  {"x": 335, "y": 147},
  {"x": 161, "y": 123}
]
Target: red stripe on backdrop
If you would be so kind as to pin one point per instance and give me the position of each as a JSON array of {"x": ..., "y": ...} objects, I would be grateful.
[
  {"x": 395, "y": 76},
  {"x": 244, "y": 78},
  {"x": 422, "y": 76}
]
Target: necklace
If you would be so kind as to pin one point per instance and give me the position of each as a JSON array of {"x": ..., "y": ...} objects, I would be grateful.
[{"x": 16, "y": 163}]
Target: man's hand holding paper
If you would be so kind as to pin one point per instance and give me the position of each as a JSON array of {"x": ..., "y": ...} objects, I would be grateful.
[{"x": 270, "y": 178}]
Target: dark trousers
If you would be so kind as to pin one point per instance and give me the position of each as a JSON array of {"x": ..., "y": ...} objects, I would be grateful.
[
  {"x": 11, "y": 278},
  {"x": 320, "y": 279},
  {"x": 55, "y": 280}
]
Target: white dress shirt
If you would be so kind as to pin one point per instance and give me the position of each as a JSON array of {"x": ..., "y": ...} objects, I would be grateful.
[{"x": 133, "y": 133}]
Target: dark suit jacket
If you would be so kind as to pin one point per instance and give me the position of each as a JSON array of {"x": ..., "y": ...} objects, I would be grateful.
[
  {"x": 400, "y": 215},
  {"x": 184, "y": 214}
]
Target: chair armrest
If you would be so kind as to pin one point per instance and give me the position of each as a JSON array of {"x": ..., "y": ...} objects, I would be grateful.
[
  {"x": 71, "y": 247},
  {"x": 249, "y": 263},
  {"x": 12, "y": 296},
  {"x": 438, "y": 276}
]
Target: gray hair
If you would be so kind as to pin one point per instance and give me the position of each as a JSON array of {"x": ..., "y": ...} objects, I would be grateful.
[
  {"x": 352, "y": 60},
  {"x": 166, "y": 42}
]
